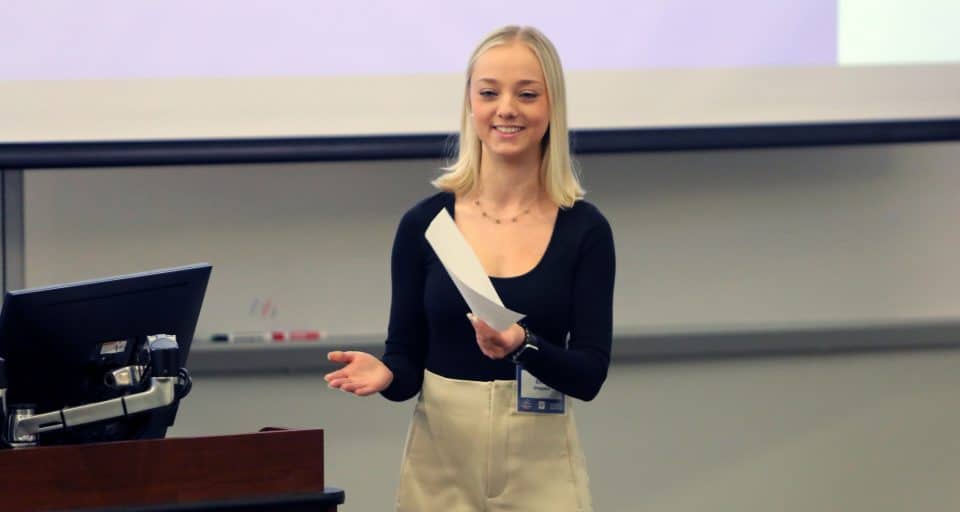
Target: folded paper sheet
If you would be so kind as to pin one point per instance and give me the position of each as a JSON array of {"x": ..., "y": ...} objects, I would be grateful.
[{"x": 464, "y": 268}]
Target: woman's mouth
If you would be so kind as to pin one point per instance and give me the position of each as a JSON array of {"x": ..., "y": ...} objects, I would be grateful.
[{"x": 508, "y": 131}]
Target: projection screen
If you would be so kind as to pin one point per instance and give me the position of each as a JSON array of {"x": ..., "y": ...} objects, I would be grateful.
[{"x": 120, "y": 70}]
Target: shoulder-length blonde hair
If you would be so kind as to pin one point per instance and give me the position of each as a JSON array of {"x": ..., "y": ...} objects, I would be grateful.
[{"x": 557, "y": 171}]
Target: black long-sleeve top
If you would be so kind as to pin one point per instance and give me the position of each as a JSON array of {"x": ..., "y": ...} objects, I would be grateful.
[{"x": 567, "y": 299}]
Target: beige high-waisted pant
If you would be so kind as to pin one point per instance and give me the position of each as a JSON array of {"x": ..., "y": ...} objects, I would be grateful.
[{"x": 470, "y": 450}]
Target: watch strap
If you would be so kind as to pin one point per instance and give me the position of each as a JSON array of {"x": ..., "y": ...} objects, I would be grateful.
[{"x": 529, "y": 344}]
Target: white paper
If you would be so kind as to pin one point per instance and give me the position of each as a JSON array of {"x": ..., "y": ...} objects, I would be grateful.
[{"x": 464, "y": 268}]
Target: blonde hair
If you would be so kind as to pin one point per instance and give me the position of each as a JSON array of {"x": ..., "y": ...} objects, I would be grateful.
[{"x": 557, "y": 171}]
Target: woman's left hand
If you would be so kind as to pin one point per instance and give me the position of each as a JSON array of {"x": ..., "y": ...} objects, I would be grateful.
[{"x": 496, "y": 344}]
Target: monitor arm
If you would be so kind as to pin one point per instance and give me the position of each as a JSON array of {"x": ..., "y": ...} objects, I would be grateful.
[{"x": 168, "y": 383}]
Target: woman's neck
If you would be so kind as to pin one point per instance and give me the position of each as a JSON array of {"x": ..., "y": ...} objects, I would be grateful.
[{"x": 506, "y": 183}]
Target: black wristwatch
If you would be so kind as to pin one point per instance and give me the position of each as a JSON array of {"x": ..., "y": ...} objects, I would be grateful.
[{"x": 529, "y": 344}]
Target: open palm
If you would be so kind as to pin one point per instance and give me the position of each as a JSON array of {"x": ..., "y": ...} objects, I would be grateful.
[{"x": 362, "y": 375}]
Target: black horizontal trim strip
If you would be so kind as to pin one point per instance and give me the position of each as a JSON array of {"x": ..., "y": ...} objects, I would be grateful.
[
  {"x": 762, "y": 136},
  {"x": 44, "y": 155},
  {"x": 326, "y": 500}
]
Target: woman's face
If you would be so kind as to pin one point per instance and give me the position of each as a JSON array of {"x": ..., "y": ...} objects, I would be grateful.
[{"x": 508, "y": 100}]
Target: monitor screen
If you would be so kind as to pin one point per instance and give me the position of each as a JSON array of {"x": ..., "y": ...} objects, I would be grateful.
[{"x": 61, "y": 344}]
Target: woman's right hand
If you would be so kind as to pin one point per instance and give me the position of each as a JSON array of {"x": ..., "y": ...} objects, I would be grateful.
[{"x": 363, "y": 374}]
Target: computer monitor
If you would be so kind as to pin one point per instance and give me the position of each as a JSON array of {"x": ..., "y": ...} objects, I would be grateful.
[{"x": 63, "y": 344}]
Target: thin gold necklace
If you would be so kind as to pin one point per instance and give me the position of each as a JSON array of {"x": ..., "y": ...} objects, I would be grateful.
[{"x": 499, "y": 220}]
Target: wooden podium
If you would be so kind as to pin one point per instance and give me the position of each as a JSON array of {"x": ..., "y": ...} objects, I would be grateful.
[{"x": 279, "y": 470}]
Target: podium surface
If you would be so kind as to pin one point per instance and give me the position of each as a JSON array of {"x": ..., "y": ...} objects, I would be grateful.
[{"x": 275, "y": 470}]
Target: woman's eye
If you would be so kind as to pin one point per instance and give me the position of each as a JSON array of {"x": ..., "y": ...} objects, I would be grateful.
[
  {"x": 487, "y": 93},
  {"x": 529, "y": 95}
]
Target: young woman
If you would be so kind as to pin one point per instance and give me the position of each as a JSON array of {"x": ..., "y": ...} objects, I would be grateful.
[{"x": 492, "y": 428}]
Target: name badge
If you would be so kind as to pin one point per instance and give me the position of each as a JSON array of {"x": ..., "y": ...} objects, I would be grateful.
[{"x": 536, "y": 397}]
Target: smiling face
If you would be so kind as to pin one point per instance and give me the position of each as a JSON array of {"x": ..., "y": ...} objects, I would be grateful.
[{"x": 509, "y": 103}]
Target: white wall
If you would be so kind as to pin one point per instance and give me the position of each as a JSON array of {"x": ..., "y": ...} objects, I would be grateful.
[
  {"x": 705, "y": 240},
  {"x": 855, "y": 433}
]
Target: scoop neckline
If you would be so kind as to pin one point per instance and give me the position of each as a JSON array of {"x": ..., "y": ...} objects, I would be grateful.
[{"x": 450, "y": 206}]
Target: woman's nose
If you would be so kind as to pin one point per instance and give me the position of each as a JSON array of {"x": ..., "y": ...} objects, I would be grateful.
[{"x": 506, "y": 110}]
